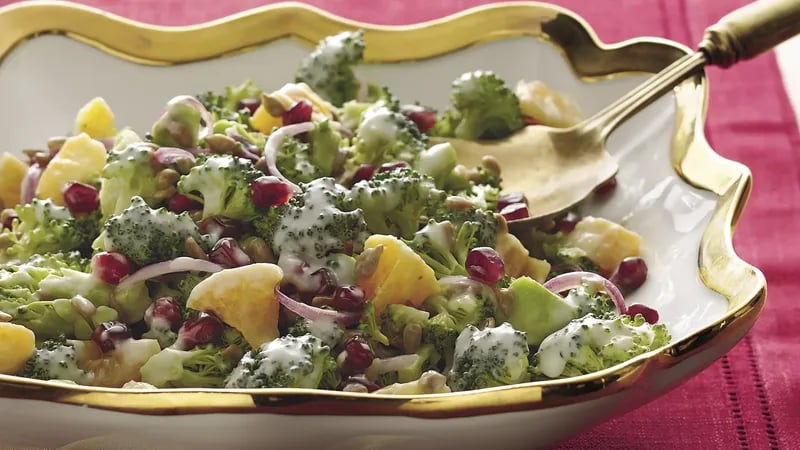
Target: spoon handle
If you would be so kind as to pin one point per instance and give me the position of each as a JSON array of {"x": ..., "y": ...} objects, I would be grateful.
[{"x": 750, "y": 31}]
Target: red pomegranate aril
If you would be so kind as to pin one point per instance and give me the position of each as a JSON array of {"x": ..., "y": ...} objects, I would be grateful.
[
  {"x": 166, "y": 310},
  {"x": 510, "y": 199},
  {"x": 227, "y": 253},
  {"x": 299, "y": 113},
  {"x": 364, "y": 172},
  {"x": 348, "y": 298},
  {"x": 392, "y": 166},
  {"x": 80, "y": 198},
  {"x": 357, "y": 356},
  {"x": 107, "y": 334},
  {"x": 203, "y": 329},
  {"x": 180, "y": 203},
  {"x": 269, "y": 191},
  {"x": 424, "y": 118},
  {"x": 606, "y": 188},
  {"x": 630, "y": 274},
  {"x": 111, "y": 267},
  {"x": 222, "y": 227},
  {"x": 650, "y": 315},
  {"x": 251, "y": 104},
  {"x": 485, "y": 264},
  {"x": 568, "y": 222},
  {"x": 9, "y": 217},
  {"x": 515, "y": 211}
]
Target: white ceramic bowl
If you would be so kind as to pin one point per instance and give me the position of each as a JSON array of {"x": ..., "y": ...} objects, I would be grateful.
[{"x": 673, "y": 190}]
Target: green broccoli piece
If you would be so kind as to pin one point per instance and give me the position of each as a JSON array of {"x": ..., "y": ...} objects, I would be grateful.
[
  {"x": 441, "y": 333},
  {"x": 482, "y": 196},
  {"x": 589, "y": 344},
  {"x": 325, "y": 329},
  {"x": 467, "y": 303},
  {"x": 483, "y": 108},
  {"x": 226, "y": 106},
  {"x": 427, "y": 359},
  {"x": 369, "y": 328},
  {"x": 400, "y": 323},
  {"x": 51, "y": 318},
  {"x": 45, "y": 227},
  {"x": 179, "y": 126},
  {"x": 147, "y": 235},
  {"x": 302, "y": 162},
  {"x": 438, "y": 162},
  {"x": 222, "y": 184},
  {"x": 394, "y": 202},
  {"x": 128, "y": 172},
  {"x": 328, "y": 70},
  {"x": 567, "y": 259},
  {"x": 314, "y": 224},
  {"x": 435, "y": 244},
  {"x": 56, "y": 359},
  {"x": 475, "y": 227},
  {"x": 383, "y": 136},
  {"x": 201, "y": 367},
  {"x": 490, "y": 357},
  {"x": 286, "y": 362}
]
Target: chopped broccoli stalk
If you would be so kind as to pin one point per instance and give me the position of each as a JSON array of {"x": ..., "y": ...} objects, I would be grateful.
[
  {"x": 147, "y": 235},
  {"x": 56, "y": 359},
  {"x": 441, "y": 332},
  {"x": 226, "y": 106},
  {"x": 369, "y": 327},
  {"x": 222, "y": 184},
  {"x": 324, "y": 142},
  {"x": 398, "y": 322},
  {"x": 128, "y": 172},
  {"x": 202, "y": 367},
  {"x": 288, "y": 361},
  {"x": 490, "y": 357},
  {"x": 45, "y": 227},
  {"x": 328, "y": 70},
  {"x": 51, "y": 318},
  {"x": 428, "y": 359},
  {"x": 437, "y": 162},
  {"x": 483, "y": 108},
  {"x": 394, "y": 202},
  {"x": 589, "y": 344}
]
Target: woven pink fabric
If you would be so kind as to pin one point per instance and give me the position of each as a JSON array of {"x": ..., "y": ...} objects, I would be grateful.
[{"x": 751, "y": 397}]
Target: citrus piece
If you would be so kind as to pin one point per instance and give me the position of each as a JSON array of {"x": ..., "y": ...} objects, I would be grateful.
[
  {"x": 12, "y": 171},
  {"x": 81, "y": 158},
  {"x": 95, "y": 119},
  {"x": 17, "y": 344}
]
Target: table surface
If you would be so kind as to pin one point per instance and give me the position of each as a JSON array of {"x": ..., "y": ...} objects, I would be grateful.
[{"x": 750, "y": 398}]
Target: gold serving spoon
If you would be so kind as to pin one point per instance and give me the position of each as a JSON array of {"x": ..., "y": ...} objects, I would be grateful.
[{"x": 558, "y": 167}]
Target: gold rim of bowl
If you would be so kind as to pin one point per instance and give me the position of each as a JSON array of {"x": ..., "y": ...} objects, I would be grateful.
[{"x": 694, "y": 160}]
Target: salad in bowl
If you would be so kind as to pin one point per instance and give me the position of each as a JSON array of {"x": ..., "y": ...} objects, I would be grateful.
[{"x": 312, "y": 236}]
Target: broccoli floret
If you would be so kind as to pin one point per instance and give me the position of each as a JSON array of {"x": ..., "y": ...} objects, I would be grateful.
[
  {"x": 352, "y": 113},
  {"x": 482, "y": 196},
  {"x": 147, "y": 235},
  {"x": 400, "y": 323},
  {"x": 201, "y": 367},
  {"x": 226, "y": 106},
  {"x": 286, "y": 362},
  {"x": 222, "y": 184},
  {"x": 129, "y": 172},
  {"x": 325, "y": 329},
  {"x": 314, "y": 224},
  {"x": 56, "y": 359},
  {"x": 369, "y": 328},
  {"x": 51, "y": 318},
  {"x": 490, "y": 357},
  {"x": 567, "y": 259},
  {"x": 590, "y": 344},
  {"x": 483, "y": 108},
  {"x": 384, "y": 135},
  {"x": 468, "y": 303},
  {"x": 45, "y": 227},
  {"x": 179, "y": 126},
  {"x": 303, "y": 162},
  {"x": 394, "y": 202},
  {"x": 441, "y": 332},
  {"x": 475, "y": 227},
  {"x": 328, "y": 70},
  {"x": 436, "y": 244}
]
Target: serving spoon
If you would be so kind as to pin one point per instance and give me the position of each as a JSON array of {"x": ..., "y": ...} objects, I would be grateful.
[{"x": 556, "y": 168}]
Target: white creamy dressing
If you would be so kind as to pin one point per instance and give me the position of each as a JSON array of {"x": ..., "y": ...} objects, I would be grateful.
[
  {"x": 160, "y": 330},
  {"x": 441, "y": 233},
  {"x": 327, "y": 330},
  {"x": 61, "y": 364},
  {"x": 502, "y": 341},
  {"x": 378, "y": 125},
  {"x": 285, "y": 354},
  {"x": 183, "y": 225}
]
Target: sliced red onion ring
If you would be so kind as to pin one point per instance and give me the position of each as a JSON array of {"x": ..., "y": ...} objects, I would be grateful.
[
  {"x": 108, "y": 142},
  {"x": 309, "y": 312},
  {"x": 274, "y": 142},
  {"x": 182, "y": 264},
  {"x": 169, "y": 155},
  {"x": 29, "y": 183},
  {"x": 198, "y": 105},
  {"x": 572, "y": 280}
]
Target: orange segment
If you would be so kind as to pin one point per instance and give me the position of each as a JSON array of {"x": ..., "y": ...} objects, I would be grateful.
[
  {"x": 95, "y": 119},
  {"x": 17, "y": 344},
  {"x": 12, "y": 171},
  {"x": 80, "y": 159}
]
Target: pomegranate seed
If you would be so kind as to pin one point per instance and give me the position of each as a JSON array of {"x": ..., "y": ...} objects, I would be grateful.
[
  {"x": 179, "y": 203},
  {"x": 511, "y": 198},
  {"x": 424, "y": 118},
  {"x": 362, "y": 380},
  {"x": 227, "y": 253},
  {"x": 364, "y": 172},
  {"x": 348, "y": 298},
  {"x": 80, "y": 198},
  {"x": 606, "y": 188},
  {"x": 357, "y": 356},
  {"x": 9, "y": 217},
  {"x": 392, "y": 166},
  {"x": 222, "y": 227},
  {"x": 649, "y": 314},
  {"x": 326, "y": 279},
  {"x": 484, "y": 264},
  {"x": 203, "y": 329},
  {"x": 251, "y": 104},
  {"x": 630, "y": 274},
  {"x": 568, "y": 222},
  {"x": 111, "y": 267},
  {"x": 299, "y": 113},
  {"x": 107, "y": 334},
  {"x": 269, "y": 191},
  {"x": 164, "y": 309},
  {"x": 515, "y": 211}
]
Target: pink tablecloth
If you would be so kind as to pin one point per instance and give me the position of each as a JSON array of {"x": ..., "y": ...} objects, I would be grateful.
[{"x": 751, "y": 397}]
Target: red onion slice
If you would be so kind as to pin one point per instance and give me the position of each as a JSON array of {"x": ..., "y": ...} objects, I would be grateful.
[
  {"x": 309, "y": 312},
  {"x": 198, "y": 105},
  {"x": 274, "y": 142},
  {"x": 182, "y": 264},
  {"x": 169, "y": 155},
  {"x": 29, "y": 183},
  {"x": 572, "y": 280}
]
